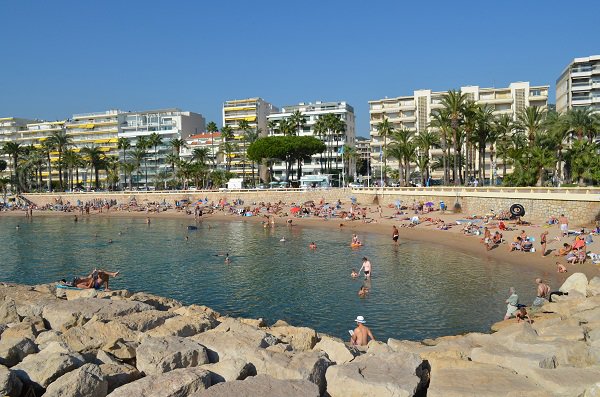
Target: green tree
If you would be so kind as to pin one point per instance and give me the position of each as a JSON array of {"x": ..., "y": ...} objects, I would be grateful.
[
  {"x": 14, "y": 150},
  {"x": 95, "y": 158},
  {"x": 454, "y": 103},
  {"x": 245, "y": 128},
  {"x": 426, "y": 140},
  {"x": 298, "y": 120},
  {"x": 155, "y": 140},
  {"x": 440, "y": 120},
  {"x": 144, "y": 144},
  {"x": 124, "y": 144},
  {"x": 212, "y": 129},
  {"x": 582, "y": 122},
  {"x": 531, "y": 120},
  {"x": 61, "y": 142}
]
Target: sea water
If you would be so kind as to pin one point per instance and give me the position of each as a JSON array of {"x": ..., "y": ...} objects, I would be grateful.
[{"x": 418, "y": 290}]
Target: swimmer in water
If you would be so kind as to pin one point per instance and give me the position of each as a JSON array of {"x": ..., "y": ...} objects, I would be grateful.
[
  {"x": 187, "y": 238},
  {"x": 148, "y": 221},
  {"x": 227, "y": 260},
  {"x": 17, "y": 227},
  {"x": 354, "y": 273},
  {"x": 312, "y": 246},
  {"x": 363, "y": 291},
  {"x": 110, "y": 241},
  {"x": 282, "y": 240}
]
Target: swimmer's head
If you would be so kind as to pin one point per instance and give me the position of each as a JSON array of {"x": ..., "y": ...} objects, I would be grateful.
[{"x": 365, "y": 258}]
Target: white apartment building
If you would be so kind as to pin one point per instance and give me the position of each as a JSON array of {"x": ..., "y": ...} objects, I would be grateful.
[
  {"x": 579, "y": 85},
  {"x": 10, "y": 127},
  {"x": 363, "y": 151},
  {"x": 168, "y": 124},
  {"x": 204, "y": 140},
  {"x": 312, "y": 112},
  {"x": 414, "y": 112},
  {"x": 255, "y": 112}
]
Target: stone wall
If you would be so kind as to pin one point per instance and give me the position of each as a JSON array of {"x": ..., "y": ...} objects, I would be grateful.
[{"x": 582, "y": 206}]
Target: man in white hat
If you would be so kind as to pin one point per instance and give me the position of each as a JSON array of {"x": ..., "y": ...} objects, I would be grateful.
[{"x": 361, "y": 333}]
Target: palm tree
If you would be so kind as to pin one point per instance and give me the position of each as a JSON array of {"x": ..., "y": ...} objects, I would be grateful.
[
  {"x": 72, "y": 161},
  {"x": 212, "y": 128},
  {"x": 128, "y": 169},
  {"x": 441, "y": 121},
  {"x": 14, "y": 150},
  {"x": 558, "y": 130},
  {"x": 272, "y": 126},
  {"x": 154, "y": 141},
  {"x": 504, "y": 127},
  {"x": 251, "y": 137},
  {"x": 200, "y": 155},
  {"x": 95, "y": 158},
  {"x": 138, "y": 155},
  {"x": 244, "y": 126},
  {"x": 384, "y": 130},
  {"x": 61, "y": 142},
  {"x": 530, "y": 120},
  {"x": 124, "y": 144},
  {"x": 484, "y": 132},
  {"x": 581, "y": 121},
  {"x": 454, "y": 103},
  {"x": 112, "y": 170},
  {"x": 298, "y": 120},
  {"x": 143, "y": 143},
  {"x": 426, "y": 140}
]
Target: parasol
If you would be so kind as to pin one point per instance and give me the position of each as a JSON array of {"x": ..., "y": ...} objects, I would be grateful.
[{"x": 429, "y": 204}]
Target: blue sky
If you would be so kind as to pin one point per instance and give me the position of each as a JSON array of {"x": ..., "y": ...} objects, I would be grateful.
[{"x": 65, "y": 57}]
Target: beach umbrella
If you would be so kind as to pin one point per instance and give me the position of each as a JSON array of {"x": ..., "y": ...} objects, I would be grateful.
[
  {"x": 429, "y": 204},
  {"x": 295, "y": 210}
]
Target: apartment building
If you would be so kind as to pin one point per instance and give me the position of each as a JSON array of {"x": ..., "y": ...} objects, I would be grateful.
[
  {"x": 255, "y": 112},
  {"x": 10, "y": 127},
  {"x": 363, "y": 152},
  {"x": 169, "y": 124},
  {"x": 312, "y": 112},
  {"x": 579, "y": 85},
  {"x": 414, "y": 112},
  {"x": 205, "y": 140}
]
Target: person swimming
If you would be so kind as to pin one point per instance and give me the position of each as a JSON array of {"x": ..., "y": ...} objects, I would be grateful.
[
  {"x": 312, "y": 246},
  {"x": 227, "y": 260},
  {"x": 283, "y": 240},
  {"x": 354, "y": 273},
  {"x": 363, "y": 291}
]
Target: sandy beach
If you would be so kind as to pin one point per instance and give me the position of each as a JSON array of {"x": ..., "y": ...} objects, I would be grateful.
[{"x": 425, "y": 231}]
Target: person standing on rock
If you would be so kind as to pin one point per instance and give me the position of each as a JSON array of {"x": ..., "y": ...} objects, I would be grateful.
[
  {"x": 512, "y": 304},
  {"x": 361, "y": 334}
]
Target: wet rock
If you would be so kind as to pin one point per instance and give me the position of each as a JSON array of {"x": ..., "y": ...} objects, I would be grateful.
[
  {"x": 177, "y": 383},
  {"x": 577, "y": 282},
  {"x": 10, "y": 384},
  {"x": 85, "y": 381},
  {"x": 261, "y": 385},
  {"x": 388, "y": 375},
  {"x": 158, "y": 355},
  {"x": 336, "y": 349}
]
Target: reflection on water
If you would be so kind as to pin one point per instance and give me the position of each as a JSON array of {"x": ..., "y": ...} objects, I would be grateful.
[{"x": 418, "y": 290}]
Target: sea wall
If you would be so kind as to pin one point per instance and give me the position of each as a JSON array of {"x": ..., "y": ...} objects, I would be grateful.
[
  {"x": 60, "y": 342},
  {"x": 581, "y": 205}
]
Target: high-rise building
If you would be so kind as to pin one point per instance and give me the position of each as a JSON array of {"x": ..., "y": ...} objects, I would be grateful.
[
  {"x": 255, "y": 112},
  {"x": 10, "y": 127},
  {"x": 334, "y": 153},
  {"x": 363, "y": 151},
  {"x": 414, "y": 112},
  {"x": 167, "y": 124},
  {"x": 579, "y": 85}
]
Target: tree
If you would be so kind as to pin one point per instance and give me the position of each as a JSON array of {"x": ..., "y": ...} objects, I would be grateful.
[
  {"x": 95, "y": 158},
  {"x": 3, "y": 165},
  {"x": 143, "y": 143},
  {"x": 441, "y": 121},
  {"x": 47, "y": 148},
  {"x": 426, "y": 140},
  {"x": 227, "y": 147},
  {"x": 155, "y": 140},
  {"x": 138, "y": 155},
  {"x": 244, "y": 126},
  {"x": 484, "y": 133},
  {"x": 582, "y": 122},
  {"x": 72, "y": 160},
  {"x": 124, "y": 144},
  {"x": 212, "y": 128},
  {"x": 504, "y": 128},
  {"x": 384, "y": 130},
  {"x": 530, "y": 120},
  {"x": 298, "y": 120},
  {"x": 128, "y": 169},
  {"x": 251, "y": 137},
  {"x": 454, "y": 103},
  {"x": 61, "y": 142},
  {"x": 403, "y": 148},
  {"x": 14, "y": 150}
]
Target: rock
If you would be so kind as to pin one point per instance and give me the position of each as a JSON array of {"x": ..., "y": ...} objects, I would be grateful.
[
  {"x": 258, "y": 323},
  {"x": 29, "y": 302},
  {"x": 228, "y": 370},
  {"x": 74, "y": 294},
  {"x": 117, "y": 374},
  {"x": 44, "y": 338},
  {"x": 61, "y": 312},
  {"x": 565, "y": 381},
  {"x": 592, "y": 391},
  {"x": 8, "y": 312},
  {"x": 499, "y": 355},
  {"x": 146, "y": 320},
  {"x": 37, "y": 322},
  {"x": 10, "y": 384},
  {"x": 14, "y": 350},
  {"x": 336, "y": 350},
  {"x": 576, "y": 282},
  {"x": 393, "y": 374},
  {"x": 157, "y": 302},
  {"x": 263, "y": 386},
  {"x": 562, "y": 331},
  {"x": 19, "y": 331},
  {"x": 593, "y": 288},
  {"x": 280, "y": 323},
  {"x": 183, "y": 326},
  {"x": 85, "y": 381},
  {"x": 460, "y": 378},
  {"x": 158, "y": 355},
  {"x": 96, "y": 334},
  {"x": 121, "y": 349},
  {"x": 48, "y": 365},
  {"x": 177, "y": 383},
  {"x": 199, "y": 310},
  {"x": 300, "y": 338}
]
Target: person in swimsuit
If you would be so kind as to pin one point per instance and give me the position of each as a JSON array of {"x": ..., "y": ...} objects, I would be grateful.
[
  {"x": 366, "y": 267},
  {"x": 543, "y": 241},
  {"x": 395, "y": 234},
  {"x": 312, "y": 246},
  {"x": 361, "y": 334},
  {"x": 363, "y": 291},
  {"x": 542, "y": 294},
  {"x": 97, "y": 279}
]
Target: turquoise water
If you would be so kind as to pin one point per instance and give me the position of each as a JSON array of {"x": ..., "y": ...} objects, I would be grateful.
[{"x": 418, "y": 290}]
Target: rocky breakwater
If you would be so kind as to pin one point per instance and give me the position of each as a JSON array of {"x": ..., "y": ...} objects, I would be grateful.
[{"x": 97, "y": 344}]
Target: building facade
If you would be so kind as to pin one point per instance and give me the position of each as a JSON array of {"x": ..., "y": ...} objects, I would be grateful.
[
  {"x": 205, "y": 140},
  {"x": 579, "y": 85},
  {"x": 334, "y": 154},
  {"x": 10, "y": 128},
  {"x": 363, "y": 166},
  {"x": 254, "y": 111},
  {"x": 414, "y": 112}
]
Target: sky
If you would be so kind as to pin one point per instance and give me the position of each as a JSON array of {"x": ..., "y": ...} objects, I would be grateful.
[{"x": 65, "y": 57}]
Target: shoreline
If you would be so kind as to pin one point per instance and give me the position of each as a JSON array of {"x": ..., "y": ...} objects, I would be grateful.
[{"x": 452, "y": 238}]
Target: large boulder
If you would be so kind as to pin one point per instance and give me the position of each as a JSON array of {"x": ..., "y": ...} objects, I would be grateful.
[
  {"x": 263, "y": 386},
  {"x": 14, "y": 350},
  {"x": 39, "y": 370},
  {"x": 177, "y": 383},
  {"x": 336, "y": 349},
  {"x": 85, "y": 381},
  {"x": 593, "y": 288},
  {"x": 118, "y": 374},
  {"x": 183, "y": 326},
  {"x": 19, "y": 331},
  {"x": 157, "y": 302},
  {"x": 198, "y": 310},
  {"x": 576, "y": 282},
  {"x": 513, "y": 359},
  {"x": 300, "y": 338},
  {"x": 146, "y": 320},
  {"x": 61, "y": 313},
  {"x": 10, "y": 384},
  {"x": 8, "y": 312},
  {"x": 158, "y": 355},
  {"x": 385, "y": 375},
  {"x": 230, "y": 343},
  {"x": 121, "y": 349},
  {"x": 564, "y": 381},
  {"x": 30, "y": 301},
  {"x": 228, "y": 370}
]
